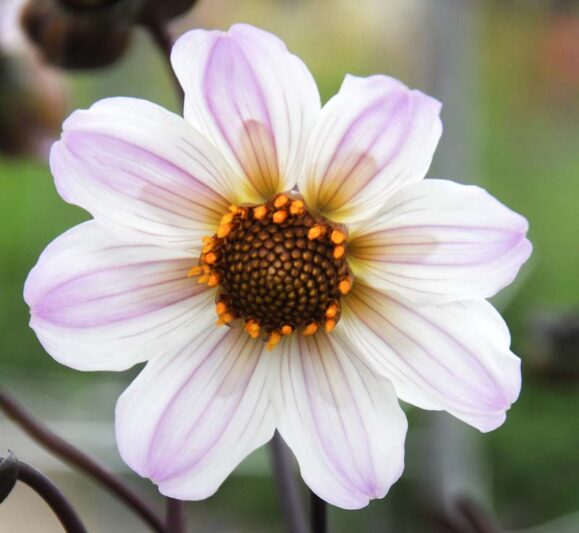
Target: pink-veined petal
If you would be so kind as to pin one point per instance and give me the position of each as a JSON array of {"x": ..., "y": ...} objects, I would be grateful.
[
  {"x": 341, "y": 421},
  {"x": 189, "y": 419},
  {"x": 255, "y": 100},
  {"x": 452, "y": 357},
  {"x": 143, "y": 172},
  {"x": 439, "y": 241},
  {"x": 372, "y": 138},
  {"x": 97, "y": 303}
]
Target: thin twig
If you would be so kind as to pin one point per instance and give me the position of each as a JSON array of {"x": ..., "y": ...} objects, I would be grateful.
[
  {"x": 176, "y": 517},
  {"x": 50, "y": 493},
  {"x": 153, "y": 20},
  {"x": 318, "y": 514},
  {"x": 75, "y": 458},
  {"x": 292, "y": 507}
]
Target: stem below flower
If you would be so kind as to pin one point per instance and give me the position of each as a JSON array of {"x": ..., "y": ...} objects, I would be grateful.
[
  {"x": 290, "y": 500},
  {"x": 318, "y": 514},
  {"x": 74, "y": 457},
  {"x": 153, "y": 20},
  {"x": 176, "y": 518},
  {"x": 50, "y": 493}
]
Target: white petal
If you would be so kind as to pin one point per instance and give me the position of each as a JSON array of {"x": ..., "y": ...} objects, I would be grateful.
[
  {"x": 143, "y": 172},
  {"x": 341, "y": 421},
  {"x": 252, "y": 98},
  {"x": 453, "y": 357},
  {"x": 372, "y": 138},
  {"x": 189, "y": 419},
  {"x": 438, "y": 241},
  {"x": 99, "y": 304}
]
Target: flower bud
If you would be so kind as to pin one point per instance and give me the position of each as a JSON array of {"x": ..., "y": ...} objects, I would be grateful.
[{"x": 74, "y": 36}]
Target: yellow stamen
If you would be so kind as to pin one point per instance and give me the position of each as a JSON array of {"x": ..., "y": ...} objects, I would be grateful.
[
  {"x": 224, "y": 230},
  {"x": 274, "y": 338},
  {"x": 203, "y": 279},
  {"x": 297, "y": 207},
  {"x": 344, "y": 286},
  {"x": 286, "y": 330},
  {"x": 227, "y": 218},
  {"x": 213, "y": 280},
  {"x": 339, "y": 252},
  {"x": 332, "y": 310},
  {"x": 234, "y": 209},
  {"x": 259, "y": 212},
  {"x": 311, "y": 328},
  {"x": 210, "y": 258},
  {"x": 195, "y": 271},
  {"x": 337, "y": 236},
  {"x": 279, "y": 216},
  {"x": 253, "y": 328},
  {"x": 330, "y": 325},
  {"x": 225, "y": 318},
  {"x": 220, "y": 308},
  {"x": 315, "y": 232},
  {"x": 280, "y": 201}
]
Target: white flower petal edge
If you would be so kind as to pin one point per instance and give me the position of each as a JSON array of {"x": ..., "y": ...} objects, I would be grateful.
[
  {"x": 373, "y": 137},
  {"x": 189, "y": 419},
  {"x": 252, "y": 98},
  {"x": 452, "y": 357},
  {"x": 97, "y": 303},
  {"x": 341, "y": 420},
  {"x": 143, "y": 172},
  {"x": 438, "y": 241}
]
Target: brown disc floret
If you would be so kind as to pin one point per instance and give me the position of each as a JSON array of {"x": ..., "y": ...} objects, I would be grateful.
[{"x": 280, "y": 269}]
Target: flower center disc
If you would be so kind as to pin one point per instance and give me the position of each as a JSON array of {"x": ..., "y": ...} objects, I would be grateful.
[{"x": 279, "y": 267}]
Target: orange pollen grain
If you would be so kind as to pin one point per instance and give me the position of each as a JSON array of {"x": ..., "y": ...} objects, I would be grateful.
[
  {"x": 195, "y": 271},
  {"x": 337, "y": 236},
  {"x": 315, "y": 232},
  {"x": 279, "y": 216},
  {"x": 210, "y": 258},
  {"x": 286, "y": 330},
  {"x": 274, "y": 338},
  {"x": 330, "y": 325},
  {"x": 224, "y": 230},
  {"x": 220, "y": 308},
  {"x": 311, "y": 328},
  {"x": 344, "y": 286},
  {"x": 225, "y": 318},
  {"x": 339, "y": 252},
  {"x": 213, "y": 280},
  {"x": 252, "y": 328},
  {"x": 280, "y": 201},
  {"x": 297, "y": 207},
  {"x": 260, "y": 212},
  {"x": 332, "y": 310},
  {"x": 227, "y": 218}
]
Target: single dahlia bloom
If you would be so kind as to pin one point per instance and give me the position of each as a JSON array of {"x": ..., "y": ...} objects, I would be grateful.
[{"x": 278, "y": 265}]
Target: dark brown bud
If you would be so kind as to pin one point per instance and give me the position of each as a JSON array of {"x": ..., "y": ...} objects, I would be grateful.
[
  {"x": 175, "y": 8},
  {"x": 77, "y": 37},
  {"x": 32, "y": 107}
]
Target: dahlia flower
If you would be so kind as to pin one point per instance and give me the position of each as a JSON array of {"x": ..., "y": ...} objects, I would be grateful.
[{"x": 278, "y": 265}]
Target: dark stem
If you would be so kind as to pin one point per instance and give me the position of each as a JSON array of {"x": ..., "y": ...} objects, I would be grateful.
[
  {"x": 289, "y": 495},
  {"x": 476, "y": 516},
  {"x": 50, "y": 493},
  {"x": 318, "y": 514},
  {"x": 156, "y": 24},
  {"x": 75, "y": 458},
  {"x": 176, "y": 518}
]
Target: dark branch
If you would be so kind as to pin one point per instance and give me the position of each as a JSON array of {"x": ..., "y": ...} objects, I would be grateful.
[
  {"x": 77, "y": 459},
  {"x": 47, "y": 490}
]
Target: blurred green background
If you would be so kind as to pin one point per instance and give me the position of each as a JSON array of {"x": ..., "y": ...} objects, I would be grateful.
[{"x": 521, "y": 62}]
